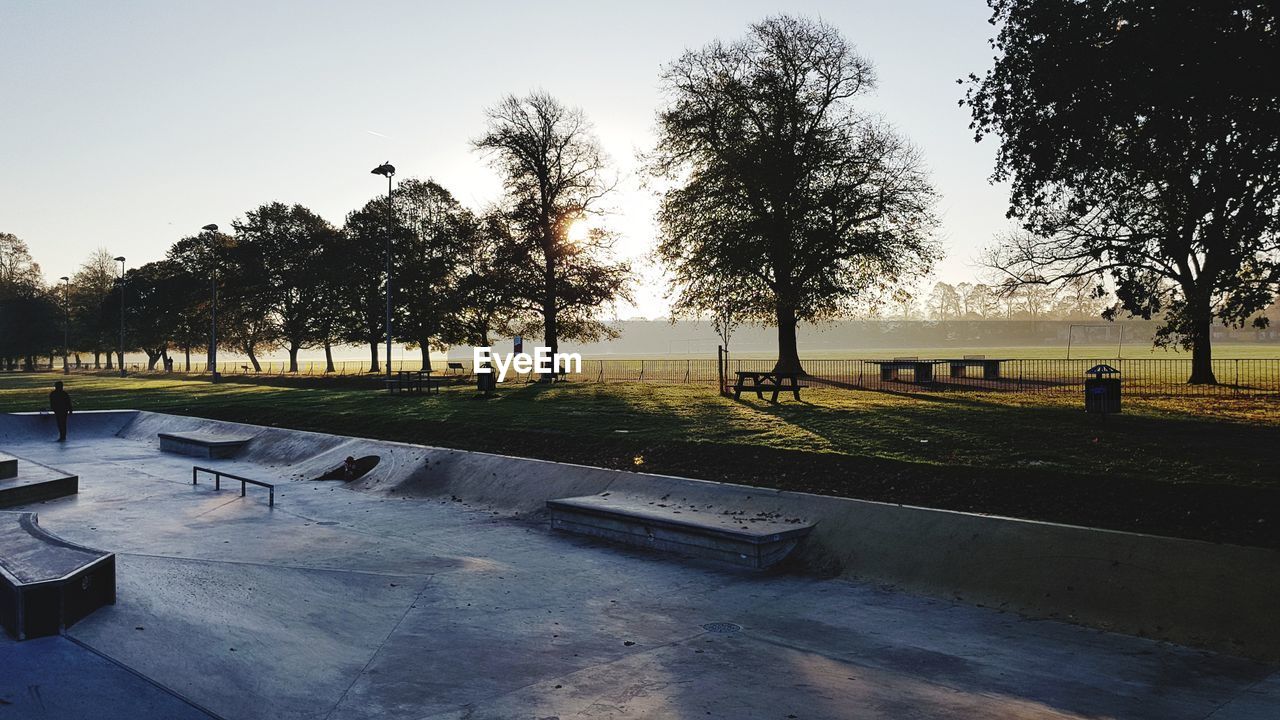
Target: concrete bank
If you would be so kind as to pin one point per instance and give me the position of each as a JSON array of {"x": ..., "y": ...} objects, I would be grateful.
[{"x": 1196, "y": 593}]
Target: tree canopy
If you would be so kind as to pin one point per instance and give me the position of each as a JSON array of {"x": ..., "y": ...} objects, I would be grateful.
[
  {"x": 1142, "y": 144},
  {"x": 783, "y": 196}
]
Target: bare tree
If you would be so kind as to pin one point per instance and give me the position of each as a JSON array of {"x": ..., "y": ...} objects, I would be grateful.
[{"x": 554, "y": 174}]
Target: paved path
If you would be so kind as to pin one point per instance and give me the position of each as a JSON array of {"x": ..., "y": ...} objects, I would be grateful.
[{"x": 344, "y": 605}]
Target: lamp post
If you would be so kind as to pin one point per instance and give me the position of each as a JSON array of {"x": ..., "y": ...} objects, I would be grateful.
[
  {"x": 122, "y": 370},
  {"x": 213, "y": 312},
  {"x": 66, "y": 322},
  {"x": 388, "y": 171}
]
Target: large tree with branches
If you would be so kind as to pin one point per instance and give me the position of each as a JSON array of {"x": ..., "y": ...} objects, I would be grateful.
[
  {"x": 1142, "y": 142},
  {"x": 782, "y": 194},
  {"x": 554, "y": 175}
]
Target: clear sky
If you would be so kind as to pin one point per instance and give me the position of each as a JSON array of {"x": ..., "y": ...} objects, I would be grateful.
[{"x": 127, "y": 125}]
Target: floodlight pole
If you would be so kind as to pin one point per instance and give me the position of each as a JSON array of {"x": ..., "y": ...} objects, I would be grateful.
[
  {"x": 387, "y": 170},
  {"x": 122, "y": 370},
  {"x": 66, "y": 322},
  {"x": 213, "y": 308}
]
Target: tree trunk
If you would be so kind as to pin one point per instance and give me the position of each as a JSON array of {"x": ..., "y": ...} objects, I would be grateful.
[
  {"x": 120, "y": 357},
  {"x": 1202, "y": 349},
  {"x": 153, "y": 357},
  {"x": 293, "y": 357},
  {"x": 550, "y": 330},
  {"x": 108, "y": 366},
  {"x": 328, "y": 357},
  {"x": 187, "y": 350},
  {"x": 426, "y": 355},
  {"x": 373, "y": 354},
  {"x": 788, "y": 353},
  {"x": 253, "y": 358}
]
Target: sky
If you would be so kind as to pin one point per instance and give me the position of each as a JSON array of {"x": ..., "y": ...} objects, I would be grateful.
[{"x": 128, "y": 125}]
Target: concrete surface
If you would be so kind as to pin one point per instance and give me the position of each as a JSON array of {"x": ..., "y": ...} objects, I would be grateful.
[
  {"x": 347, "y": 604},
  {"x": 1201, "y": 594}
]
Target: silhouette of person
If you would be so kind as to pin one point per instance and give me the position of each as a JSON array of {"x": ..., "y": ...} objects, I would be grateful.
[
  {"x": 349, "y": 468},
  {"x": 60, "y": 404}
]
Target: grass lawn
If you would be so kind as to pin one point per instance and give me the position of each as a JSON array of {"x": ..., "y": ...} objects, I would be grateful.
[{"x": 1194, "y": 467}]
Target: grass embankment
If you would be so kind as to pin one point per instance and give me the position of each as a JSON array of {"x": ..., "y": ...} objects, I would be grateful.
[{"x": 1193, "y": 467}]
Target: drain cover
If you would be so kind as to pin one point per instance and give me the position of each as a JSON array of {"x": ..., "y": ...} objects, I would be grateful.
[{"x": 722, "y": 627}]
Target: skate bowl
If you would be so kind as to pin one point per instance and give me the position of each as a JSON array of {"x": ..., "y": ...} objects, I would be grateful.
[{"x": 1196, "y": 593}]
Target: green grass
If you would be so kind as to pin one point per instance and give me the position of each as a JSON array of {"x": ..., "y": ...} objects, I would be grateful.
[{"x": 1166, "y": 440}]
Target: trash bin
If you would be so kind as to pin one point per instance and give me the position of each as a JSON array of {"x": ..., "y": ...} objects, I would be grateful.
[
  {"x": 486, "y": 382},
  {"x": 1102, "y": 389}
]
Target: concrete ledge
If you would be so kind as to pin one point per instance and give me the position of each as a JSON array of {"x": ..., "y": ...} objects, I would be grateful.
[
  {"x": 755, "y": 542},
  {"x": 8, "y": 466},
  {"x": 201, "y": 444},
  {"x": 35, "y": 482},
  {"x": 46, "y": 583}
]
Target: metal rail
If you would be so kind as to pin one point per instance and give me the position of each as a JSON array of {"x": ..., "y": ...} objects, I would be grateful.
[{"x": 217, "y": 481}]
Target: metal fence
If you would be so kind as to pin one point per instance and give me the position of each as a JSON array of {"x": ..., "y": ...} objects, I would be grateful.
[{"x": 1147, "y": 376}]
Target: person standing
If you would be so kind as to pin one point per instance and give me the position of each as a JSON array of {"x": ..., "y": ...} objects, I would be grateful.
[{"x": 60, "y": 404}]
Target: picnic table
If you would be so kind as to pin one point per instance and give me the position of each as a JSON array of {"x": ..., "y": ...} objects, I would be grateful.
[
  {"x": 921, "y": 370},
  {"x": 762, "y": 381},
  {"x": 990, "y": 367},
  {"x": 412, "y": 381}
]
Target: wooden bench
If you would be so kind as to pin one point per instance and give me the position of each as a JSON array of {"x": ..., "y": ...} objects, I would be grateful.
[
  {"x": 412, "y": 381},
  {"x": 762, "y": 381},
  {"x": 990, "y": 367},
  {"x": 457, "y": 367},
  {"x": 46, "y": 583},
  {"x": 219, "y": 474},
  {"x": 27, "y": 482},
  {"x": 207, "y": 445},
  {"x": 745, "y": 541}
]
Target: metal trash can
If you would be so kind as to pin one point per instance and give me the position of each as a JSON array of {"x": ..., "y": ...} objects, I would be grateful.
[{"x": 1102, "y": 390}]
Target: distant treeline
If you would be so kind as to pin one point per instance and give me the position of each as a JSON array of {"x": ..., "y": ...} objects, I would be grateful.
[{"x": 639, "y": 338}]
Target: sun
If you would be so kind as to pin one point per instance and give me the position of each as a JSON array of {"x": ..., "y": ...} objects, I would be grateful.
[{"x": 578, "y": 231}]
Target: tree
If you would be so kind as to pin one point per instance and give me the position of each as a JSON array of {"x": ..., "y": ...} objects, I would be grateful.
[
  {"x": 944, "y": 302},
  {"x": 553, "y": 173},
  {"x": 438, "y": 236},
  {"x": 30, "y": 316},
  {"x": 363, "y": 260},
  {"x": 201, "y": 260},
  {"x": 487, "y": 295},
  {"x": 92, "y": 329},
  {"x": 247, "y": 318},
  {"x": 781, "y": 190},
  {"x": 291, "y": 241},
  {"x": 1142, "y": 143}
]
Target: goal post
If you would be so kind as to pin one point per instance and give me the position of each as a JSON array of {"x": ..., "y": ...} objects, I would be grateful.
[{"x": 1071, "y": 331}]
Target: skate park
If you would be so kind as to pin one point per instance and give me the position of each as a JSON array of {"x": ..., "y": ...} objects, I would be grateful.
[{"x": 439, "y": 584}]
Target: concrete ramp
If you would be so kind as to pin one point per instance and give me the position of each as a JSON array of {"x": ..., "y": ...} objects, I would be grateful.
[{"x": 84, "y": 424}]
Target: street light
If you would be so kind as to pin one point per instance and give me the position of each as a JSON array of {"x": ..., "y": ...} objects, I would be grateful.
[
  {"x": 66, "y": 322},
  {"x": 213, "y": 287},
  {"x": 388, "y": 171},
  {"x": 121, "y": 261}
]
